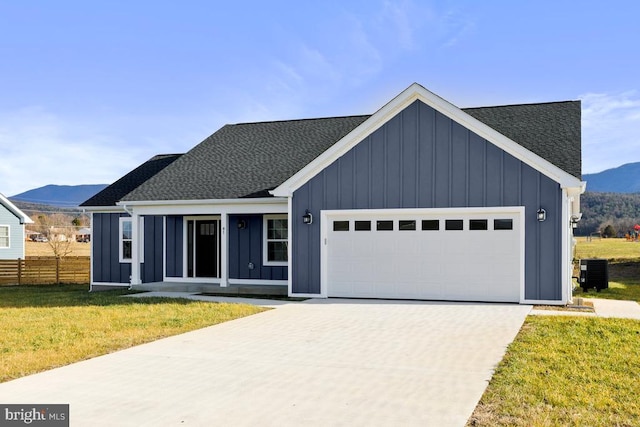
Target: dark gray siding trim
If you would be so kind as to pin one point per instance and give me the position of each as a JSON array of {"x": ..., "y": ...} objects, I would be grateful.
[
  {"x": 106, "y": 264},
  {"x": 245, "y": 247},
  {"x": 152, "y": 268},
  {"x": 174, "y": 246},
  {"x": 422, "y": 159}
]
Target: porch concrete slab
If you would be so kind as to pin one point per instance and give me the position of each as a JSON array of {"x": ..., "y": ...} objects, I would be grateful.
[
  {"x": 315, "y": 363},
  {"x": 196, "y": 296}
]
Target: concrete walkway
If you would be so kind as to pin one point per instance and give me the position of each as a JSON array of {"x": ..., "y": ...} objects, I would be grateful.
[
  {"x": 317, "y": 363},
  {"x": 602, "y": 308},
  {"x": 614, "y": 308}
]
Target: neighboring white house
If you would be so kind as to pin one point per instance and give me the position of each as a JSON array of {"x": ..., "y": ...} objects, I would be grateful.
[{"x": 12, "y": 221}]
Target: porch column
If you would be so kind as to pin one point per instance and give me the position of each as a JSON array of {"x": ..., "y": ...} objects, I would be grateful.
[
  {"x": 224, "y": 250},
  {"x": 135, "y": 249}
]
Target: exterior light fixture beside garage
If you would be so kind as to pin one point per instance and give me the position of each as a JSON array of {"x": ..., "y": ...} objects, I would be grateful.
[{"x": 307, "y": 218}]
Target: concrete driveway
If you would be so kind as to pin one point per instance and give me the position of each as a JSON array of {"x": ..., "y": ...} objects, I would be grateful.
[{"x": 318, "y": 363}]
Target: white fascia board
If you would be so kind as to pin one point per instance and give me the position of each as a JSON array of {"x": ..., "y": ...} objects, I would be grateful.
[
  {"x": 576, "y": 191},
  {"x": 400, "y": 102},
  {"x": 24, "y": 219},
  {"x": 249, "y": 201},
  {"x": 202, "y": 207},
  {"x": 102, "y": 209}
]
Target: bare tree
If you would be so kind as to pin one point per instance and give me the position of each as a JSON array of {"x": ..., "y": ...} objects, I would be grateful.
[{"x": 59, "y": 231}]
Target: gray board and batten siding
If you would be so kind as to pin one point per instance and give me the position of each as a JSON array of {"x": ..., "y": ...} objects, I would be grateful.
[
  {"x": 246, "y": 246},
  {"x": 245, "y": 249},
  {"x": 423, "y": 159},
  {"x": 107, "y": 267}
]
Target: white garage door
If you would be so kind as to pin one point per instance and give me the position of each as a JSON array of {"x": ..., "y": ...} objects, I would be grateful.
[{"x": 445, "y": 254}]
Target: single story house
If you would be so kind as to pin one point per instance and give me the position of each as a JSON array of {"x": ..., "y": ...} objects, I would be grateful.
[
  {"x": 420, "y": 200},
  {"x": 12, "y": 232}
]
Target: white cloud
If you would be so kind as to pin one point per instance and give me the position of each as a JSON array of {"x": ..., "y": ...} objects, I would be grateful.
[
  {"x": 398, "y": 16},
  {"x": 610, "y": 130},
  {"x": 38, "y": 148}
]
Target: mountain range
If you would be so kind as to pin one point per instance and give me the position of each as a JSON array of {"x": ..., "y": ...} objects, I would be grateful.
[
  {"x": 623, "y": 179},
  {"x": 65, "y": 196}
]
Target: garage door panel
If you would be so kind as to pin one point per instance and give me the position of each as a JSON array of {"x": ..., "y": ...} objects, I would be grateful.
[{"x": 468, "y": 264}]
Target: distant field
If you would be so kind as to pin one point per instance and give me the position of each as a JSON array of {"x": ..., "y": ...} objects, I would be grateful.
[
  {"x": 43, "y": 249},
  {"x": 611, "y": 249}
]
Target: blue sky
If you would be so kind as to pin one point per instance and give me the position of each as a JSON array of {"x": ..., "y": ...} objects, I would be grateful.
[{"x": 89, "y": 90}]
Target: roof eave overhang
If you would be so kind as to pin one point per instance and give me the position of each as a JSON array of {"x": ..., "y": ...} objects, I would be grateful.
[
  {"x": 105, "y": 209},
  {"x": 576, "y": 190},
  {"x": 400, "y": 102},
  {"x": 250, "y": 201},
  {"x": 24, "y": 218}
]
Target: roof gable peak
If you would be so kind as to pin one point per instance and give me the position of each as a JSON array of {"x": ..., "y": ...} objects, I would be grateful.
[{"x": 418, "y": 92}]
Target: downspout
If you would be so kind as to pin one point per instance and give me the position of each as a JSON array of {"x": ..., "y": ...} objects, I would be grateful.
[
  {"x": 84, "y": 211},
  {"x": 134, "y": 244},
  {"x": 573, "y": 216}
]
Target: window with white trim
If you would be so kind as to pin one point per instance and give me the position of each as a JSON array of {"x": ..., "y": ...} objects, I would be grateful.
[
  {"x": 276, "y": 240},
  {"x": 4, "y": 237},
  {"x": 125, "y": 243}
]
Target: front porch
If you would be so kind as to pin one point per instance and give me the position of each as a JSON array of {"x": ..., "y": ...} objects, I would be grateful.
[{"x": 211, "y": 288}]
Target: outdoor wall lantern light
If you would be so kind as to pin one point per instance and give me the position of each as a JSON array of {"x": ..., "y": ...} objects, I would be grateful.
[
  {"x": 542, "y": 214},
  {"x": 307, "y": 218},
  {"x": 575, "y": 219},
  {"x": 242, "y": 224}
]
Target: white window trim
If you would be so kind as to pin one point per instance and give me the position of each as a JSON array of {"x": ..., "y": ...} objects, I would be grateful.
[
  {"x": 8, "y": 237},
  {"x": 265, "y": 241},
  {"x": 140, "y": 236}
]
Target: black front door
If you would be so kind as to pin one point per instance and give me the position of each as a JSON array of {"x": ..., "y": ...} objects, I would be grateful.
[{"x": 203, "y": 248}]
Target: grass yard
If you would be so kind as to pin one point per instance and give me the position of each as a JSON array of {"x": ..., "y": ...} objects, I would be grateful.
[
  {"x": 566, "y": 371},
  {"x": 573, "y": 371},
  {"x": 44, "y": 249},
  {"x": 43, "y": 327},
  {"x": 624, "y": 267}
]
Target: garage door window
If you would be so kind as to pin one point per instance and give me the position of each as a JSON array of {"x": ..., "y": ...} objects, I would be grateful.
[
  {"x": 406, "y": 225},
  {"x": 340, "y": 225},
  {"x": 478, "y": 224},
  {"x": 363, "y": 225},
  {"x": 454, "y": 224},
  {"x": 430, "y": 224},
  {"x": 503, "y": 224},
  {"x": 384, "y": 225}
]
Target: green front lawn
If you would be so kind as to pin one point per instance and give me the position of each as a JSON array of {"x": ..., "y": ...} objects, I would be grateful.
[
  {"x": 624, "y": 267},
  {"x": 566, "y": 371},
  {"x": 573, "y": 371},
  {"x": 43, "y": 327}
]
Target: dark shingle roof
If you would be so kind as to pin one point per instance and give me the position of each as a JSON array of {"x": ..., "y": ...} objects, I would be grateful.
[
  {"x": 551, "y": 130},
  {"x": 249, "y": 159},
  {"x": 116, "y": 191},
  {"x": 245, "y": 160}
]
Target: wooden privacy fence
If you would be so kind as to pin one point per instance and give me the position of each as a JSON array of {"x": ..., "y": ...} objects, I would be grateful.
[{"x": 45, "y": 270}]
